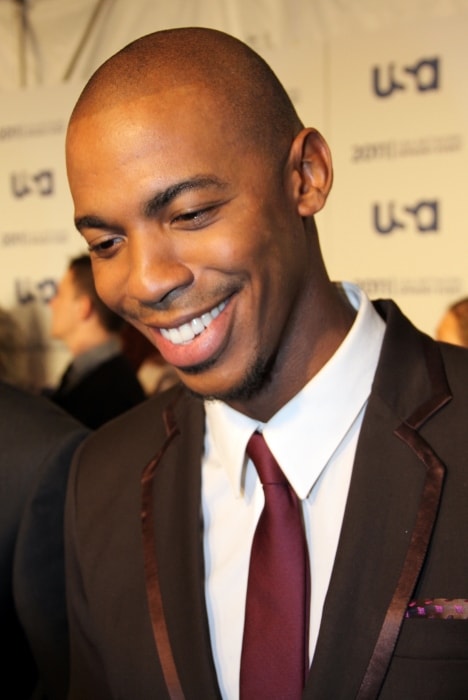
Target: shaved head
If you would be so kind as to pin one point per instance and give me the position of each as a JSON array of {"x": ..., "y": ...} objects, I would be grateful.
[{"x": 242, "y": 85}]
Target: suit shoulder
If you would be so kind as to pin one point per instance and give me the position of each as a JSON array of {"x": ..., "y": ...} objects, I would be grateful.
[
  {"x": 116, "y": 377},
  {"x": 36, "y": 417},
  {"x": 142, "y": 429},
  {"x": 455, "y": 359}
]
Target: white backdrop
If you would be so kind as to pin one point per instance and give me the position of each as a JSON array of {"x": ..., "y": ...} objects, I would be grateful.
[
  {"x": 384, "y": 80},
  {"x": 398, "y": 128}
]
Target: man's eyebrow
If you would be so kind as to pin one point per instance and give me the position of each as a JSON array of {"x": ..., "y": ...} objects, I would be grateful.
[
  {"x": 90, "y": 221},
  {"x": 162, "y": 199},
  {"x": 156, "y": 203}
]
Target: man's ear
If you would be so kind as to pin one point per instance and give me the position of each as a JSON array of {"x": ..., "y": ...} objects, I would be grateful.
[
  {"x": 312, "y": 171},
  {"x": 85, "y": 307}
]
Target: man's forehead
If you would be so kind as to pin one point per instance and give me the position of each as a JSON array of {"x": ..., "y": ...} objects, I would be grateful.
[
  {"x": 182, "y": 118},
  {"x": 145, "y": 105}
]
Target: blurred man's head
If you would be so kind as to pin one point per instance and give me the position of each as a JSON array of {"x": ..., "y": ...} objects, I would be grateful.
[
  {"x": 78, "y": 314},
  {"x": 453, "y": 327}
]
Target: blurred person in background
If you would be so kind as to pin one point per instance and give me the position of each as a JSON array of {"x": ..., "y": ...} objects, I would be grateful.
[
  {"x": 11, "y": 345},
  {"x": 453, "y": 326},
  {"x": 100, "y": 382},
  {"x": 37, "y": 440}
]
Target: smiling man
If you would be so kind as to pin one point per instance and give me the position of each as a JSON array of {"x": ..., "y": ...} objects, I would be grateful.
[{"x": 195, "y": 186}]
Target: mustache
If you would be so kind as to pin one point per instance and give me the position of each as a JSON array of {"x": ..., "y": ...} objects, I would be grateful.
[{"x": 183, "y": 303}]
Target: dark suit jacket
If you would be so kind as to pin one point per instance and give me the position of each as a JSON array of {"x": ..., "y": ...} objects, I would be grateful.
[
  {"x": 36, "y": 444},
  {"x": 137, "y": 612},
  {"x": 104, "y": 393}
]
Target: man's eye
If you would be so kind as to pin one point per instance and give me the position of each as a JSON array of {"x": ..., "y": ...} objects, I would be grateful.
[
  {"x": 196, "y": 218},
  {"x": 105, "y": 248}
]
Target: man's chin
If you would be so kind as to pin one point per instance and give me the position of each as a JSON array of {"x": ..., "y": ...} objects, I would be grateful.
[
  {"x": 255, "y": 380},
  {"x": 196, "y": 370}
]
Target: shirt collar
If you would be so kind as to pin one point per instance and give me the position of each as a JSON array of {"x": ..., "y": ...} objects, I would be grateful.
[{"x": 310, "y": 427}]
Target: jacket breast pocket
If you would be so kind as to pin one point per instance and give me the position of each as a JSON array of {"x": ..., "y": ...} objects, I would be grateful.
[{"x": 430, "y": 661}]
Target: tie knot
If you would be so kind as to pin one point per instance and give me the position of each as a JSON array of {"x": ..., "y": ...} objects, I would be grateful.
[{"x": 266, "y": 465}]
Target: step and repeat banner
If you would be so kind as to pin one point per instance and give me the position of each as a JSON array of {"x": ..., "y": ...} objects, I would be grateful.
[
  {"x": 394, "y": 108},
  {"x": 37, "y": 236},
  {"x": 399, "y": 131}
]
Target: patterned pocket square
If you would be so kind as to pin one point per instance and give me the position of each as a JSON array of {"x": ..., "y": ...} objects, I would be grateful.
[{"x": 439, "y": 609}]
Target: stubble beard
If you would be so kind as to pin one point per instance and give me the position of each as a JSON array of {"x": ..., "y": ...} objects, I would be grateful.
[{"x": 256, "y": 379}]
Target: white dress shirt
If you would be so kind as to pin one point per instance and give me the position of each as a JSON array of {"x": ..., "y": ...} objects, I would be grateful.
[{"x": 313, "y": 438}]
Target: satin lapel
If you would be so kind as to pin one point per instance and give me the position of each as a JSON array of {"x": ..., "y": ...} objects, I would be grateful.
[
  {"x": 391, "y": 508},
  {"x": 172, "y": 527}
]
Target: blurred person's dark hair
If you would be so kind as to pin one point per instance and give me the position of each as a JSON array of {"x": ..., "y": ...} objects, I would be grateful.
[{"x": 83, "y": 277}]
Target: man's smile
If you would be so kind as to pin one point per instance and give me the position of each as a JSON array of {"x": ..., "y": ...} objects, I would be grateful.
[
  {"x": 187, "y": 331},
  {"x": 197, "y": 339}
]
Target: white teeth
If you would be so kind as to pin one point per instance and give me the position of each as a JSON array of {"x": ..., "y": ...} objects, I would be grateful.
[
  {"x": 197, "y": 326},
  {"x": 172, "y": 334},
  {"x": 206, "y": 319},
  {"x": 187, "y": 331}
]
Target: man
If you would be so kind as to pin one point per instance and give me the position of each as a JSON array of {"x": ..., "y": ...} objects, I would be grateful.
[
  {"x": 453, "y": 326},
  {"x": 11, "y": 344},
  {"x": 37, "y": 441},
  {"x": 100, "y": 383},
  {"x": 195, "y": 186}
]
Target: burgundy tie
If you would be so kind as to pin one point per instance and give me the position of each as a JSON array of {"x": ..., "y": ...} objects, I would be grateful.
[{"x": 274, "y": 660}]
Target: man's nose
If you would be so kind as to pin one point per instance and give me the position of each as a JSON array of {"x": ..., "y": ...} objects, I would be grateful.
[{"x": 157, "y": 274}]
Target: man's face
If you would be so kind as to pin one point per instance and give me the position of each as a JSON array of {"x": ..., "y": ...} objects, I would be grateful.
[{"x": 194, "y": 239}]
